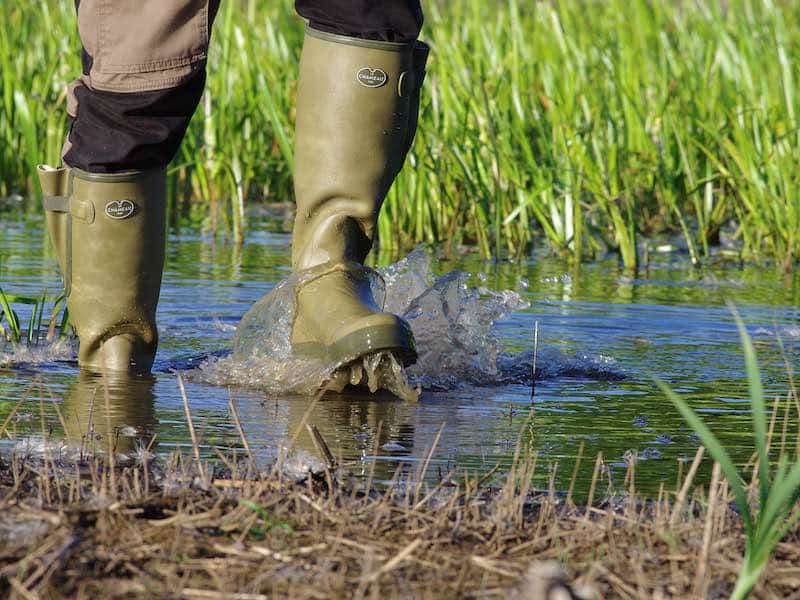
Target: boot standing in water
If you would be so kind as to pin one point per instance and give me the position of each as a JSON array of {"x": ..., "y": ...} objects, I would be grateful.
[
  {"x": 142, "y": 78},
  {"x": 143, "y": 75}
]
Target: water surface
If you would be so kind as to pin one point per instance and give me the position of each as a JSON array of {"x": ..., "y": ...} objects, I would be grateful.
[{"x": 602, "y": 337}]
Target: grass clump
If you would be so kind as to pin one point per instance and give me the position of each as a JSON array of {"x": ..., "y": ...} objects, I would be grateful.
[
  {"x": 38, "y": 328},
  {"x": 588, "y": 126},
  {"x": 161, "y": 528}
]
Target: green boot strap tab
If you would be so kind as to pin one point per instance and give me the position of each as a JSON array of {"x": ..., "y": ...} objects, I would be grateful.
[
  {"x": 77, "y": 209},
  {"x": 82, "y": 210},
  {"x": 59, "y": 204}
]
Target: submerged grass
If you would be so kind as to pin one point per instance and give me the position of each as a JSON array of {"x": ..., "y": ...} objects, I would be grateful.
[{"x": 587, "y": 125}]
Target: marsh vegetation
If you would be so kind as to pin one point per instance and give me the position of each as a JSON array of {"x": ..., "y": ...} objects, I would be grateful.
[
  {"x": 657, "y": 137},
  {"x": 583, "y": 127}
]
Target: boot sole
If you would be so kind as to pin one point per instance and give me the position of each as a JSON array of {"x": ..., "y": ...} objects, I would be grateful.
[{"x": 398, "y": 340}]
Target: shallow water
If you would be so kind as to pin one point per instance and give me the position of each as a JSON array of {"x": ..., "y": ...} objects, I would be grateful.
[{"x": 602, "y": 336}]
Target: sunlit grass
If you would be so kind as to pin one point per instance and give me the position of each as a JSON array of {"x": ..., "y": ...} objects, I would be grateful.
[{"x": 583, "y": 126}]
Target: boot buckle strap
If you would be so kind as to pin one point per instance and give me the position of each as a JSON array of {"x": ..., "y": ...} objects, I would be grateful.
[
  {"x": 59, "y": 204},
  {"x": 81, "y": 210}
]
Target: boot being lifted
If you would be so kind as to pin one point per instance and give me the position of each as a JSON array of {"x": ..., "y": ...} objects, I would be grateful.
[{"x": 357, "y": 109}]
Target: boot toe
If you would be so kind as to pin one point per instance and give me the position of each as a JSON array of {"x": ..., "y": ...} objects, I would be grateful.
[
  {"x": 367, "y": 335},
  {"x": 382, "y": 331}
]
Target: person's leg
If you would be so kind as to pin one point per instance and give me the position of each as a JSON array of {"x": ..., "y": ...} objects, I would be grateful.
[
  {"x": 384, "y": 20},
  {"x": 357, "y": 105},
  {"x": 143, "y": 74}
]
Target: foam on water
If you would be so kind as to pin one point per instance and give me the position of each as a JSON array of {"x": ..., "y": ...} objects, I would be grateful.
[
  {"x": 70, "y": 451},
  {"x": 19, "y": 354},
  {"x": 780, "y": 332},
  {"x": 453, "y": 323}
]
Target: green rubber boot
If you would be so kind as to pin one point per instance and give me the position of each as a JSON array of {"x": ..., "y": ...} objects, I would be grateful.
[
  {"x": 357, "y": 108},
  {"x": 109, "y": 232}
]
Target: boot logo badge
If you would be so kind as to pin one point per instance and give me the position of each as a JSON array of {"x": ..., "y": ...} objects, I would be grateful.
[
  {"x": 372, "y": 78},
  {"x": 120, "y": 209}
]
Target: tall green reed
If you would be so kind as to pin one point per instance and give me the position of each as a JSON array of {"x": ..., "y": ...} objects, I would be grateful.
[
  {"x": 11, "y": 329},
  {"x": 775, "y": 509},
  {"x": 585, "y": 128}
]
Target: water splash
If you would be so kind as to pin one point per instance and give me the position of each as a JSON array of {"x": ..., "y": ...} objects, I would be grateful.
[
  {"x": 263, "y": 357},
  {"x": 453, "y": 323},
  {"x": 23, "y": 354},
  {"x": 779, "y": 332}
]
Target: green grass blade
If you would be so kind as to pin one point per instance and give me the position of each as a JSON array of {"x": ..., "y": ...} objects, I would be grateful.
[
  {"x": 716, "y": 450},
  {"x": 11, "y": 318},
  {"x": 783, "y": 495},
  {"x": 758, "y": 407}
]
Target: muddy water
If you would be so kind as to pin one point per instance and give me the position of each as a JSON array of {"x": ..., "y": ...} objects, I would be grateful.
[{"x": 602, "y": 336}]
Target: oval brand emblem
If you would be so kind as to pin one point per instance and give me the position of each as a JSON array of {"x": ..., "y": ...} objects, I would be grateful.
[
  {"x": 120, "y": 209},
  {"x": 372, "y": 78}
]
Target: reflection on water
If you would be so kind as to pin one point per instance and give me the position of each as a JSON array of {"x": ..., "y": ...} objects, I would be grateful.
[
  {"x": 602, "y": 337},
  {"x": 112, "y": 412}
]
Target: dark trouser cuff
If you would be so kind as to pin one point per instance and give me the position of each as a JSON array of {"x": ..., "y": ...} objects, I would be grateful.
[
  {"x": 134, "y": 130},
  {"x": 384, "y": 20}
]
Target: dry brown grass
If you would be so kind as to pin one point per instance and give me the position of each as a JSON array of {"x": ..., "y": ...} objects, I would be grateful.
[{"x": 170, "y": 529}]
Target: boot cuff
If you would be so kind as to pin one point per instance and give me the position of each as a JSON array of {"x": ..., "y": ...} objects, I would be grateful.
[
  {"x": 350, "y": 41},
  {"x": 119, "y": 177}
]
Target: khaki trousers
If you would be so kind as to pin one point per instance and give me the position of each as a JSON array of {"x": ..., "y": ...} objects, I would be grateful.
[{"x": 144, "y": 64}]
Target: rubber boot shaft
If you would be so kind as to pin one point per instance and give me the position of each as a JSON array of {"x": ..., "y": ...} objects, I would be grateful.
[
  {"x": 355, "y": 124},
  {"x": 357, "y": 109}
]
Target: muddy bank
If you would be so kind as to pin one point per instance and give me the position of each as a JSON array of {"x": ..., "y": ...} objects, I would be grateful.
[{"x": 178, "y": 528}]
